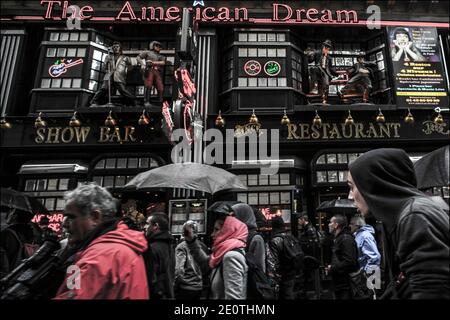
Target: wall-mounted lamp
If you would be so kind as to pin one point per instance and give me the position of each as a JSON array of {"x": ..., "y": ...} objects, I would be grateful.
[{"x": 39, "y": 123}]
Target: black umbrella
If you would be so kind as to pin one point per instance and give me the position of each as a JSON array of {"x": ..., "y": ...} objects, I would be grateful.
[
  {"x": 336, "y": 206},
  {"x": 194, "y": 176},
  {"x": 432, "y": 169},
  {"x": 17, "y": 200},
  {"x": 223, "y": 207}
]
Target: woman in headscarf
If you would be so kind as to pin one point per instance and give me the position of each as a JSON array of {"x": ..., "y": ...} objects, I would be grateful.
[
  {"x": 383, "y": 182},
  {"x": 227, "y": 262}
]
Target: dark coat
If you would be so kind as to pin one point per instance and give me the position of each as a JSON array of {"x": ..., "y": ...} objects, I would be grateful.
[
  {"x": 354, "y": 70},
  {"x": 329, "y": 70},
  {"x": 344, "y": 259},
  {"x": 161, "y": 265},
  {"x": 309, "y": 240},
  {"x": 416, "y": 226}
]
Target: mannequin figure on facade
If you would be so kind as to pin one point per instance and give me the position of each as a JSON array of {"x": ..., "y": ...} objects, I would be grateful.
[
  {"x": 360, "y": 75},
  {"x": 115, "y": 67},
  {"x": 320, "y": 70},
  {"x": 152, "y": 64}
]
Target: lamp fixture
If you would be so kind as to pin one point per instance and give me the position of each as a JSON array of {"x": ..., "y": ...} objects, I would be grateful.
[
  {"x": 253, "y": 118},
  {"x": 74, "y": 121},
  {"x": 285, "y": 120},
  {"x": 317, "y": 121},
  {"x": 220, "y": 121},
  {"x": 39, "y": 123},
  {"x": 110, "y": 121},
  {"x": 439, "y": 119},
  {"x": 143, "y": 120},
  {"x": 409, "y": 117},
  {"x": 380, "y": 117},
  {"x": 5, "y": 124},
  {"x": 349, "y": 120}
]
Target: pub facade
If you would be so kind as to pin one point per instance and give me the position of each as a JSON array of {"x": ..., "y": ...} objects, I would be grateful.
[{"x": 252, "y": 67}]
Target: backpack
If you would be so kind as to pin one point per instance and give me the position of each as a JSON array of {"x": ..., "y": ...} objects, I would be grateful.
[
  {"x": 259, "y": 286},
  {"x": 292, "y": 255}
]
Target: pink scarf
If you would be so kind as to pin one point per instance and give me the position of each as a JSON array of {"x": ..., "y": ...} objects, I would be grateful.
[{"x": 233, "y": 235}]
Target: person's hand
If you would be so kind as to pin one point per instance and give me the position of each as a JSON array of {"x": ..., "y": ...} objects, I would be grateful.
[{"x": 408, "y": 46}]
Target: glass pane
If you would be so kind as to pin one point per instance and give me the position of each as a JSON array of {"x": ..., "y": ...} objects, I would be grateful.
[
  {"x": 66, "y": 83},
  {"x": 52, "y": 184},
  {"x": 29, "y": 185},
  {"x": 76, "y": 83},
  {"x": 98, "y": 180},
  {"x": 242, "y": 52},
  {"x": 263, "y": 180},
  {"x": 262, "y": 52},
  {"x": 132, "y": 163},
  {"x": 51, "y": 52},
  {"x": 282, "y": 82},
  {"x": 272, "y": 82},
  {"x": 331, "y": 158},
  {"x": 64, "y": 37},
  {"x": 262, "y": 37},
  {"x": 243, "y": 37},
  {"x": 252, "y": 180},
  {"x": 108, "y": 181},
  {"x": 122, "y": 163},
  {"x": 100, "y": 164},
  {"x": 45, "y": 83},
  {"x": 60, "y": 204},
  {"x": 56, "y": 83},
  {"x": 243, "y": 178},
  {"x": 96, "y": 65},
  {"x": 63, "y": 184},
  {"x": 281, "y": 37},
  {"x": 274, "y": 180},
  {"x": 252, "y": 52},
  {"x": 242, "y": 197},
  {"x": 252, "y": 37},
  {"x": 284, "y": 178},
  {"x": 342, "y": 158},
  {"x": 242, "y": 82},
  {"x": 93, "y": 85},
  {"x": 253, "y": 199},
  {"x": 252, "y": 82},
  {"x": 271, "y": 37},
  {"x": 50, "y": 204},
  {"x": 84, "y": 36},
  {"x": 143, "y": 162},
  {"x": 264, "y": 198},
  {"x": 285, "y": 198},
  {"x": 262, "y": 82},
  {"x": 332, "y": 176},
  {"x": 61, "y": 52},
  {"x": 94, "y": 74},
  {"x": 98, "y": 55},
  {"x": 343, "y": 176},
  {"x": 110, "y": 163},
  {"x": 41, "y": 185},
  {"x": 281, "y": 53},
  {"x": 153, "y": 163},
  {"x": 81, "y": 52},
  {"x": 120, "y": 181},
  {"x": 271, "y": 52},
  {"x": 352, "y": 157},
  {"x": 274, "y": 198},
  {"x": 54, "y": 36},
  {"x": 321, "y": 176},
  {"x": 74, "y": 36},
  {"x": 71, "y": 52}
]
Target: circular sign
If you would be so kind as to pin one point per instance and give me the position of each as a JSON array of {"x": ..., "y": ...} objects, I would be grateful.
[
  {"x": 272, "y": 68},
  {"x": 252, "y": 68}
]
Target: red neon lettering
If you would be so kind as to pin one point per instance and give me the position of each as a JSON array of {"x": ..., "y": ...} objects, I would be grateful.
[
  {"x": 86, "y": 9},
  {"x": 205, "y": 14},
  {"x": 276, "y": 16},
  {"x": 174, "y": 10},
  {"x": 310, "y": 12},
  {"x": 126, "y": 9},
  {"x": 48, "y": 14}
]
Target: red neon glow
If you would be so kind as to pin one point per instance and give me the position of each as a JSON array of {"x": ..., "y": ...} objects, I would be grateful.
[{"x": 55, "y": 221}]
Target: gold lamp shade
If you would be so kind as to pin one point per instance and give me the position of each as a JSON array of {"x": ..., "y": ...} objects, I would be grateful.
[
  {"x": 285, "y": 120},
  {"x": 220, "y": 121},
  {"x": 39, "y": 123},
  {"x": 74, "y": 121},
  {"x": 253, "y": 118},
  {"x": 439, "y": 119},
  {"x": 349, "y": 120},
  {"x": 317, "y": 121},
  {"x": 409, "y": 117},
  {"x": 4, "y": 124},
  {"x": 380, "y": 117},
  {"x": 110, "y": 121},
  {"x": 143, "y": 120}
]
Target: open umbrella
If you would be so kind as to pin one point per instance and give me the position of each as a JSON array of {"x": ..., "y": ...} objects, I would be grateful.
[
  {"x": 194, "y": 176},
  {"x": 17, "y": 200},
  {"x": 223, "y": 207},
  {"x": 342, "y": 206},
  {"x": 432, "y": 169}
]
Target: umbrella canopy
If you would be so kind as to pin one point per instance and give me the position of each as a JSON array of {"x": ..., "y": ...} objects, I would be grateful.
[
  {"x": 432, "y": 169},
  {"x": 336, "y": 206},
  {"x": 223, "y": 207},
  {"x": 194, "y": 176},
  {"x": 17, "y": 200}
]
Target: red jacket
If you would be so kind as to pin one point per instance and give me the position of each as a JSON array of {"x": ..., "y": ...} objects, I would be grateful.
[{"x": 111, "y": 267}]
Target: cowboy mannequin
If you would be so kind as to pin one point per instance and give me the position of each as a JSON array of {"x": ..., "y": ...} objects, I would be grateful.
[
  {"x": 152, "y": 63},
  {"x": 321, "y": 70},
  {"x": 115, "y": 72},
  {"x": 360, "y": 78}
]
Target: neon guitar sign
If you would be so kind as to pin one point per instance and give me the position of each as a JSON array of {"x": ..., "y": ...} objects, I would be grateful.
[{"x": 60, "y": 67}]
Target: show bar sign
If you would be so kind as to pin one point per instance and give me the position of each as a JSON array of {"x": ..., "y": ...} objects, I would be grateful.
[
  {"x": 281, "y": 13},
  {"x": 419, "y": 75}
]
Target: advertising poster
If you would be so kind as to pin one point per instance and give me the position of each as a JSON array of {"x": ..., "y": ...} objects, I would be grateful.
[{"x": 419, "y": 76}]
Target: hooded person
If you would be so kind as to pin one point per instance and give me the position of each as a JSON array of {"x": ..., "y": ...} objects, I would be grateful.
[
  {"x": 416, "y": 227},
  {"x": 107, "y": 253},
  {"x": 227, "y": 262}
]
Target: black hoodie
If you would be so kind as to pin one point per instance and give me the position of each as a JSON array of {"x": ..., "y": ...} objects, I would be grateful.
[{"x": 416, "y": 226}]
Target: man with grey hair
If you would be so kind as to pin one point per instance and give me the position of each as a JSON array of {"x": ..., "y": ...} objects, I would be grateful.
[
  {"x": 368, "y": 255},
  {"x": 108, "y": 261}
]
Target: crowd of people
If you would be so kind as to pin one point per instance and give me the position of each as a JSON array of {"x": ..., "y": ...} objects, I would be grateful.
[{"x": 115, "y": 259}]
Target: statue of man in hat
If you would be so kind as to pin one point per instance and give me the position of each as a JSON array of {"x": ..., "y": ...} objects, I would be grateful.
[
  {"x": 321, "y": 70},
  {"x": 152, "y": 64},
  {"x": 361, "y": 75}
]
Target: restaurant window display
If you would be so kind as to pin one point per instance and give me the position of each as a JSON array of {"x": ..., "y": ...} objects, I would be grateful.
[{"x": 183, "y": 210}]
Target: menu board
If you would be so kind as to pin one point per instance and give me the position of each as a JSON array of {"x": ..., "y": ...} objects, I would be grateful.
[
  {"x": 419, "y": 76},
  {"x": 183, "y": 210}
]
